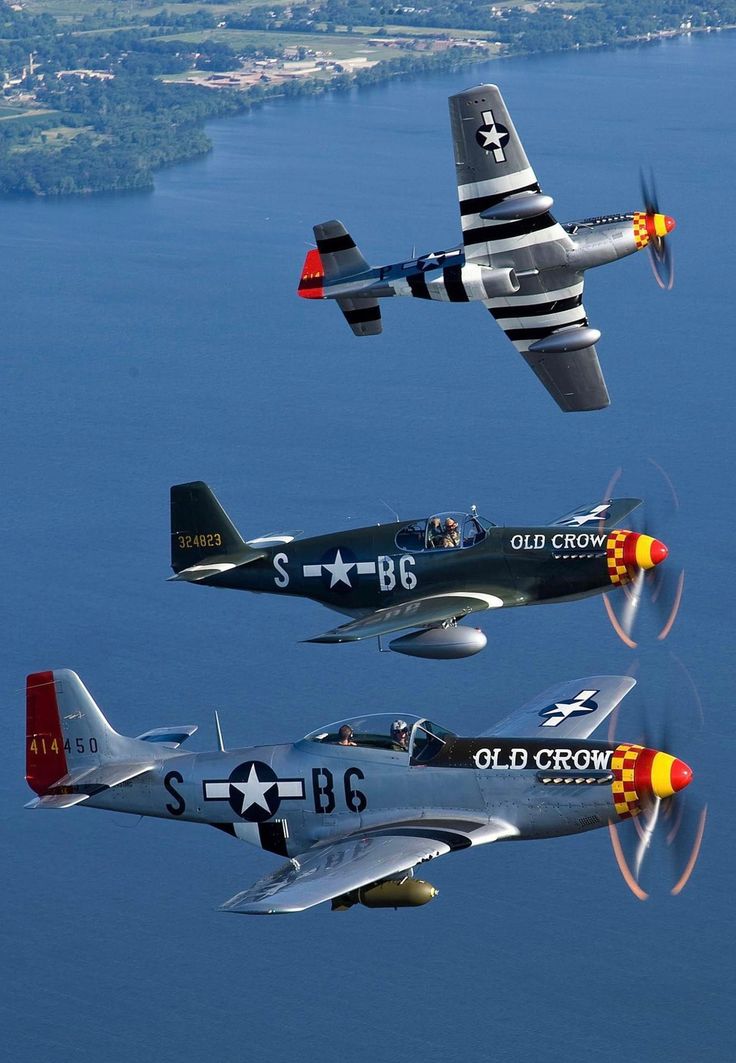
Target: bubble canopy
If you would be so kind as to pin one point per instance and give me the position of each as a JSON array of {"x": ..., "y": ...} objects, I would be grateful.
[{"x": 423, "y": 739}]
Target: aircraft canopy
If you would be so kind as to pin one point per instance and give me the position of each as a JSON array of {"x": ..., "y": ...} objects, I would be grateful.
[
  {"x": 422, "y": 738},
  {"x": 451, "y": 530}
]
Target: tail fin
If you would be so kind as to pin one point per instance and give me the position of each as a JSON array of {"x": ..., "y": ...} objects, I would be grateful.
[
  {"x": 339, "y": 257},
  {"x": 65, "y": 729},
  {"x": 338, "y": 260},
  {"x": 200, "y": 527}
]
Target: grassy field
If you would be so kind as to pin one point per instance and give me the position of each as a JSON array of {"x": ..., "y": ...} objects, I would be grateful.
[
  {"x": 339, "y": 46},
  {"x": 9, "y": 113},
  {"x": 141, "y": 10},
  {"x": 56, "y": 138}
]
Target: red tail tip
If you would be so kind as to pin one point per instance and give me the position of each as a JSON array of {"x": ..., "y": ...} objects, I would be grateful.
[{"x": 310, "y": 282}]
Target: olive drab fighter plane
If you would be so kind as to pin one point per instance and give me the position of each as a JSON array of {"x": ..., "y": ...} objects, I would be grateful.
[
  {"x": 419, "y": 576},
  {"x": 356, "y": 805},
  {"x": 515, "y": 259}
]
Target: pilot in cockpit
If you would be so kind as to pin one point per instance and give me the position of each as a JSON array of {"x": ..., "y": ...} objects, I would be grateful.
[
  {"x": 451, "y": 535},
  {"x": 436, "y": 535},
  {"x": 345, "y": 736},
  {"x": 400, "y": 733}
]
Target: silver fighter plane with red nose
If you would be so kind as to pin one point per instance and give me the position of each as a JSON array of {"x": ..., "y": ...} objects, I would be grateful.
[
  {"x": 358, "y": 804},
  {"x": 515, "y": 258}
]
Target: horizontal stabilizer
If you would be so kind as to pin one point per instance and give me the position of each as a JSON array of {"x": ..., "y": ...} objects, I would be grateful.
[
  {"x": 363, "y": 315},
  {"x": 599, "y": 516},
  {"x": 417, "y": 613},
  {"x": 197, "y": 573},
  {"x": 78, "y": 785},
  {"x": 171, "y": 737},
  {"x": 57, "y": 801},
  {"x": 272, "y": 539}
]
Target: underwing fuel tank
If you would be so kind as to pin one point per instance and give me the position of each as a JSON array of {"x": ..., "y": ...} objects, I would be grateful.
[
  {"x": 411, "y": 893},
  {"x": 567, "y": 339},
  {"x": 441, "y": 643},
  {"x": 518, "y": 207}
]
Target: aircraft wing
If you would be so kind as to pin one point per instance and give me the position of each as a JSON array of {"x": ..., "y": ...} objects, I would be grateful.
[
  {"x": 330, "y": 871},
  {"x": 567, "y": 710},
  {"x": 574, "y": 379},
  {"x": 506, "y": 222},
  {"x": 599, "y": 516},
  {"x": 417, "y": 613}
]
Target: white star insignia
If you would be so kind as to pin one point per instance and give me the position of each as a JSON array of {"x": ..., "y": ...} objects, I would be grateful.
[
  {"x": 562, "y": 709},
  {"x": 492, "y": 137},
  {"x": 253, "y": 790},
  {"x": 583, "y": 518},
  {"x": 339, "y": 570}
]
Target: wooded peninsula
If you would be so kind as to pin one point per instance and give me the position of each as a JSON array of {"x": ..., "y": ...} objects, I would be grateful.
[{"x": 101, "y": 93}]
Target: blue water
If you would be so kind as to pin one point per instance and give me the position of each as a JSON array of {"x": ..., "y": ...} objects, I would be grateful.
[{"x": 156, "y": 338}]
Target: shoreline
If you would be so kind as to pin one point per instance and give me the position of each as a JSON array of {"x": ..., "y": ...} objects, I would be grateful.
[{"x": 226, "y": 102}]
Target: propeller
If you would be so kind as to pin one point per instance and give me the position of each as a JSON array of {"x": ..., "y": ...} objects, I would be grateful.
[
  {"x": 660, "y": 253},
  {"x": 670, "y": 827},
  {"x": 659, "y": 588}
]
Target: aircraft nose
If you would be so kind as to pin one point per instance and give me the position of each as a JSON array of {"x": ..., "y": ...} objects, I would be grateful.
[
  {"x": 659, "y": 224},
  {"x": 654, "y": 552},
  {"x": 642, "y": 551},
  {"x": 667, "y": 775}
]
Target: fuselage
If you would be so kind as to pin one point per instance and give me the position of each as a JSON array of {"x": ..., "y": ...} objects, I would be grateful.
[
  {"x": 365, "y": 569},
  {"x": 446, "y": 276},
  {"x": 287, "y": 798}
]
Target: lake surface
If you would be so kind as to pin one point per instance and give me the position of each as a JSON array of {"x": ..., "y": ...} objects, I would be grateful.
[{"x": 151, "y": 339}]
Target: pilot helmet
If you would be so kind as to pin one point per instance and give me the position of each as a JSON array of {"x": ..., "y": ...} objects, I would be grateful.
[
  {"x": 398, "y": 726},
  {"x": 451, "y": 522}
]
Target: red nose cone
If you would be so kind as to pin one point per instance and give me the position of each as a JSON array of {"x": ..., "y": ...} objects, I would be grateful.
[
  {"x": 669, "y": 223},
  {"x": 680, "y": 775},
  {"x": 658, "y": 552}
]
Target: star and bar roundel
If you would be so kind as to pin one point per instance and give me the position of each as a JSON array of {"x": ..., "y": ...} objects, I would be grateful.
[
  {"x": 580, "y": 705},
  {"x": 339, "y": 569},
  {"x": 492, "y": 136},
  {"x": 253, "y": 790}
]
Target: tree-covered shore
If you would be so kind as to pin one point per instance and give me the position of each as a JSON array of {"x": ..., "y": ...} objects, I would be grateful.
[{"x": 84, "y": 108}]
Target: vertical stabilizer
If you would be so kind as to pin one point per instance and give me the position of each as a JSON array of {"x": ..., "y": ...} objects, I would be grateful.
[
  {"x": 65, "y": 729},
  {"x": 200, "y": 527}
]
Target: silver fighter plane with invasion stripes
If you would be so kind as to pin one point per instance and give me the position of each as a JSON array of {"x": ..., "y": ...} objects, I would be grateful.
[{"x": 518, "y": 261}]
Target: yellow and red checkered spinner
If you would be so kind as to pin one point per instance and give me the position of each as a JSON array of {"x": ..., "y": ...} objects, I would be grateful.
[
  {"x": 639, "y": 772},
  {"x": 647, "y": 226},
  {"x": 627, "y": 552}
]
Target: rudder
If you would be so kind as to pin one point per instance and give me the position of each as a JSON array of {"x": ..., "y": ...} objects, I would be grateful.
[
  {"x": 200, "y": 527},
  {"x": 64, "y": 728}
]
